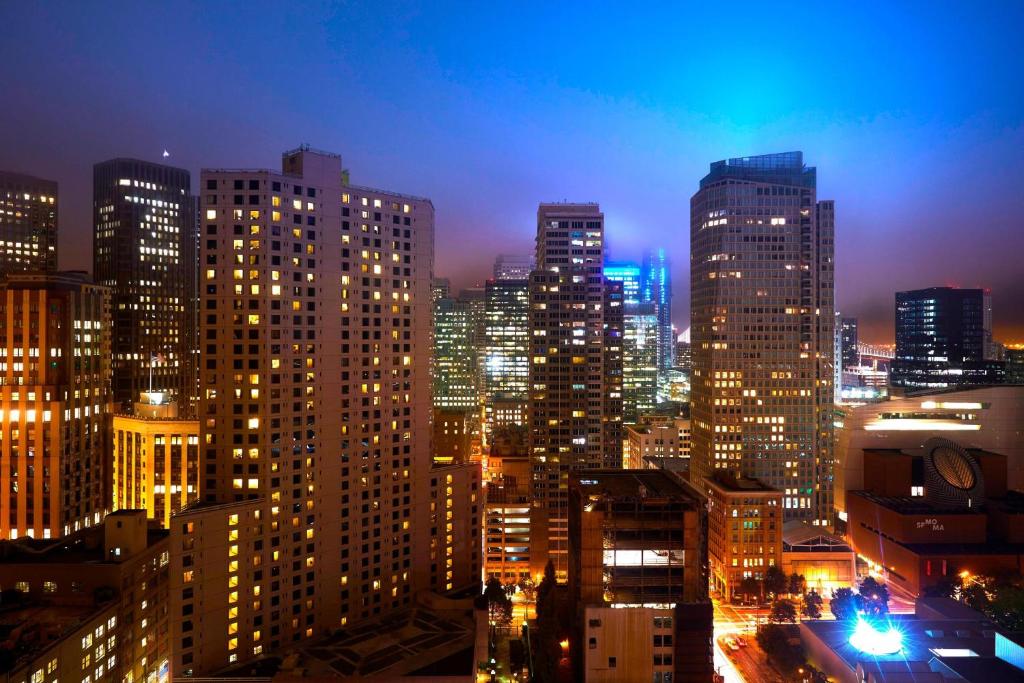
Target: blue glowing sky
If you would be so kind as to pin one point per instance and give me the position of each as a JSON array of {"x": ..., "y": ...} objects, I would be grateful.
[{"x": 913, "y": 114}]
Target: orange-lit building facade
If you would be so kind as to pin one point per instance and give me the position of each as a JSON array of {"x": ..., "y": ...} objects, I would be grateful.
[
  {"x": 155, "y": 459},
  {"x": 54, "y": 404},
  {"x": 744, "y": 530}
]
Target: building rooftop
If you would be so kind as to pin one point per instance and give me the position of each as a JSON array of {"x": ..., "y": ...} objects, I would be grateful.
[
  {"x": 416, "y": 641},
  {"x": 617, "y": 483},
  {"x": 727, "y": 481},
  {"x": 784, "y": 168},
  {"x": 799, "y": 536},
  {"x": 673, "y": 463},
  {"x": 84, "y": 547},
  {"x": 28, "y": 628},
  {"x": 906, "y": 505},
  {"x": 921, "y": 638}
]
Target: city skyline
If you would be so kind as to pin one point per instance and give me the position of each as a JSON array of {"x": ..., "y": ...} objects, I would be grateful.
[{"x": 901, "y": 145}]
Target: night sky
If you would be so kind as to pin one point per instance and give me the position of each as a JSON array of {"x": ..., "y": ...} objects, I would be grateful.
[{"x": 913, "y": 114}]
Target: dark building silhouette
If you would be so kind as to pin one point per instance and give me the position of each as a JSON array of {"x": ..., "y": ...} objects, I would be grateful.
[
  {"x": 144, "y": 250},
  {"x": 28, "y": 223},
  {"x": 943, "y": 335}
]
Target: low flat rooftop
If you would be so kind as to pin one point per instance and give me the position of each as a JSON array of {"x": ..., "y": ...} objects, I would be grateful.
[
  {"x": 85, "y": 547},
  {"x": 906, "y": 505},
  {"x": 416, "y": 641},
  {"x": 740, "y": 484},
  {"x": 920, "y": 638},
  {"x": 29, "y": 628}
]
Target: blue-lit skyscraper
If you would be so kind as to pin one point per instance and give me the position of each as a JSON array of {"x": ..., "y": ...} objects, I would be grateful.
[
  {"x": 629, "y": 275},
  {"x": 641, "y": 327},
  {"x": 656, "y": 288}
]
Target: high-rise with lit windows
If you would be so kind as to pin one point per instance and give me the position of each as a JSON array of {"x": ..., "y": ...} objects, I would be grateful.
[
  {"x": 455, "y": 358},
  {"x": 144, "y": 250},
  {"x": 656, "y": 288},
  {"x": 319, "y": 506},
  {"x": 54, "y": 404},
  {"x": 943, "y": 339},
  {"x": 506, "y": 349},
  {"x": 28, "y": 224},
  {"x": 575, "y": 323},
  {"x": 761, "y": 275}
]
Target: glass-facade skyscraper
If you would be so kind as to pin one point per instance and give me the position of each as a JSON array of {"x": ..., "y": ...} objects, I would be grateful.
[
  {"x": 656, "y": 288},
  {"x": 144, "y": 250},
  {"x": 761, "y": 275},
  {"x": 641, "y": 340},
  {"x": 507, "y": 339},
  {"x": 942, "y": 339}
]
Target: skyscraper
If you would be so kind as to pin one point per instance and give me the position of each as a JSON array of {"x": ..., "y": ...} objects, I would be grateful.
[
  {"x": 507, "y": 339},
  {"x": 28, "y": 224},
  {"x": 848, "y": 344},
  {"x": 576, "y": 360},
  {"x": 942, "y": 337},
  {"x": 761, "y": 257},
  {"x": 641, "y": 330},
  {"x": 455, "y": 361},
  {"x": 656, "y": 287},
  {"x": 629, "y": 275},
  {"x": 320, "y": 507},
  {"x": 514, "y": 266},
  {"x": 54, "y": 404},
  {"x": 144, "y": 243}
]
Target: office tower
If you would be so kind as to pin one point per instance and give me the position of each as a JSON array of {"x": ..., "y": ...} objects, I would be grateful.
[
  {"x": 639, "y": 360},
  {"x": 629, "y": 275},
  {"x": 514, "y": 266},
  {"x": 91, "y": 606},
  {"x": 156, "y": 458},
  {"x": 54, "y": 404},
  {"x": 440, "y": 288},
  {"x": 656, "y": 288},
  {"x": 850, "y": 356},
  {"x": 454, "y": 356},
  {"x": 641, "y": 336},
  {"x": 638, "y": 577},
  {"x": 576, "y": 361},
  {"x": 144, "y": 251},
  {"x": 319, "y": 506},
  {"x": 761, "y": 256},
  {"x": 684, "y": 356},
  {"x": 28, "y": 224},
  {"x": 744, "y": 530},
  {"x": 506, "y": 350},
  {"x": 942, "y": 337},
  {"x": 475, "y": 300}
]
